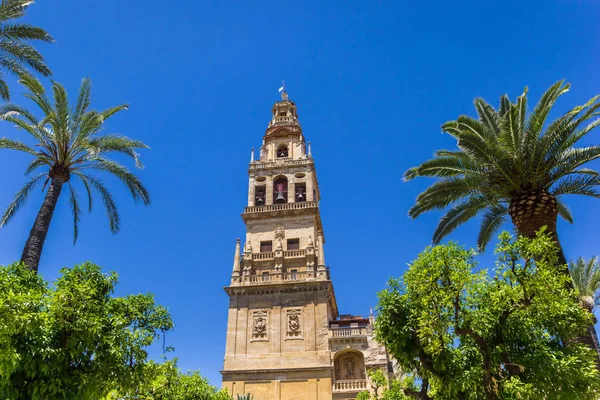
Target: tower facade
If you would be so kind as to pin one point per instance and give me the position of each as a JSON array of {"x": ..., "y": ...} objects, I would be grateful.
[{"x": 285, "y": 338}]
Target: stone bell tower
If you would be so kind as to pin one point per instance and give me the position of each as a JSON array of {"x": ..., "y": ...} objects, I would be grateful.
[{"x": 283, "y": 335}]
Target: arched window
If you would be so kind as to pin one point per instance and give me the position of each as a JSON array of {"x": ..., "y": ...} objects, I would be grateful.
[
  {"x": 259, "y": 195},
  {"x": 282, "y": 151},
  {"x": 280, "y": 194}
]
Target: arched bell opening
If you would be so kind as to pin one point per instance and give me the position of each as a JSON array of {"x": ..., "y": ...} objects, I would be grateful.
[
  {"x": 282, "y": 151},
  {"x": 280, "y": 192}
]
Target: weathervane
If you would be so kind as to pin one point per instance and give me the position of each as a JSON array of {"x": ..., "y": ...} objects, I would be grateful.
[{"x": 284, "y": 95}]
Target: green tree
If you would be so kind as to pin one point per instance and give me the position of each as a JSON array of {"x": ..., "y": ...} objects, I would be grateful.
[
  {"x": 165, "y": 381},
  {"x": 68, "y": 142},
  {"x": 509, "y": 163},
  {"x": 512, "y": 163},
  {"x": 468, "y": 335},
  {"x": 73, "y": 340},
  {"x": 17, "y": 56},
  {"x": 586, "y": 279},
  {"x": 378, "y": 380}
]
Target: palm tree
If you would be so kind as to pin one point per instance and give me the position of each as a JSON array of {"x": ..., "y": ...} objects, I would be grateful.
[
  {"x": 16, "y": 56},
  {"x": 586, "y": 279},
  {"x": 512, "y": 163},
  {"x": 69, "y": 143},
  {"x": 509, "y": 163}
]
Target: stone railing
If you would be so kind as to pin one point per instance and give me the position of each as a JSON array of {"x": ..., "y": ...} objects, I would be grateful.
[
  {"x": 294, "y": 253},
  {"x": 350, "y": 385},
  {"x": 263, "y": 256},
  {"x": 280, "y": 207},
  {"x": 347, "y": 332},
  {"x": 284, "y": 276},
  {"x": 280, "y": 163},
  {"x": 270, "y": 255}
]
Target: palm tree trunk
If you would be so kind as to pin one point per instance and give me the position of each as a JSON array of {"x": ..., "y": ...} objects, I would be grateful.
[
  {"x": 529, "y": 212},
  {"x": 35, "y": 242}
]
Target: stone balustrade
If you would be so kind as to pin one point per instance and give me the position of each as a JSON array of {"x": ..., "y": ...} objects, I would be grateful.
[
  {"x": 270, "y": 255},
  {"x": 280, "y": 163},
  {"x": 280, "y": 207},
  {"x": 350, "y": 385},
  {"x": 347, "y": 332},
  {"x": 294, "y": 253},
  {"x": 283, "y": 277}
]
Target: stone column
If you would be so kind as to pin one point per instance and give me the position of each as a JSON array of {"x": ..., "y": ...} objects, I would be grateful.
[
  {"x": 321, "y": 270},
  {"x": 236, "y": 260},
  {"x": 310, "y": 186},
  {"x": 269, "y": 191},
  {"x": 251, "y": 192}
]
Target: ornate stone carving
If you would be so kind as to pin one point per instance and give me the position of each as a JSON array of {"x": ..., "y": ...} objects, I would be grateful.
[
  {"x": 279, "y": 232},
  {"x": 259, "y": 329},
  {"x": 349, "y": 366},
  {"x": 293, "y": 323}
]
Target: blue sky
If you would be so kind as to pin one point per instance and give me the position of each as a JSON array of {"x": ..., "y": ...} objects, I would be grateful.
[{"x": 373, "y": 82}]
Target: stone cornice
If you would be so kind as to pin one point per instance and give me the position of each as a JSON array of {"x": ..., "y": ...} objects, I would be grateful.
[{"x": 296, "y": 287}]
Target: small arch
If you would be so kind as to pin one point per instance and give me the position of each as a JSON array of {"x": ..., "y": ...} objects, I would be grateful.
[{"x": 280, "y": 192}]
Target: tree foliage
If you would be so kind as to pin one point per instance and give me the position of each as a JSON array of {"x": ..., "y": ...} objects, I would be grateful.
[
  {"x": 17, "y": 56},
  {"x": 165, "y": 381},
  {"x": 511, "y": 162},
  {"x": 73, "y": 340},
  {"x": 468, "y": 333}
]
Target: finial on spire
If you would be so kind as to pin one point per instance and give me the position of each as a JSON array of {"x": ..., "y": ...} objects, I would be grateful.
[{"x": 252, "y": 155}]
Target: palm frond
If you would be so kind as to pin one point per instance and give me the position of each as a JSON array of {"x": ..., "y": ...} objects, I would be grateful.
[
  {"x": 113, "y": 110},
  {"x": 74, "y": 204},
  {"x": 25, "y": 54},
  {"x": 564, "y": 211},
  {"x": 24, "y": 32},
  {"x": 107, "y": 199},
  {"x": 445, "y": 192},
  {"x": 11, "y": 9},
  {"x": 35, "y": 164},
  {"x": 20, "y": 199},
  {"x": 445, "y": 167},
  {"x": 492, "y": 220},
  {"x": 586, "y": 277},
  {"x": 83, "y": 101},
  {"x": 4, "y": 92},
  {"x": 36, "y": 93},
  {"x": 458, "y": 215},
  {"x": 6, "y": 143},
  {"x": 487, "y": 115},
  {"x": 117, "y": 143},
  {"x": 585, "y": 185},
  {"x": 138, "y": 191}
]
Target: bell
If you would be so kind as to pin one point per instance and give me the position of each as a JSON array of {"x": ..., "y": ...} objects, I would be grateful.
[
  {"x": 300, "y": 196},
  {"x": 280, "y": 198},
  {"x": 260, "y": 201}
]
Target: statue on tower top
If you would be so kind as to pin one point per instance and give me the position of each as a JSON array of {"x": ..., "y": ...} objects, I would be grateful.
[{"x": 284, "y": 95}]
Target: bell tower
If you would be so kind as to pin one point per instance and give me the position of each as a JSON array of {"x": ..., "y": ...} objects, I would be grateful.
[{"x": 283, "y": 336}]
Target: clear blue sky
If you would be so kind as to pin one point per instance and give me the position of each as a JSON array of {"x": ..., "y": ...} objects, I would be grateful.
[{"x": 373, "y": 81}]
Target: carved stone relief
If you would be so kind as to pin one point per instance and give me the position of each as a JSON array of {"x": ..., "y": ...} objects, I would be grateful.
[
  {"x": 293, "y": 323},
  {"x": 259, "y": 327},
  {"x": 279, "y": 232}
]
